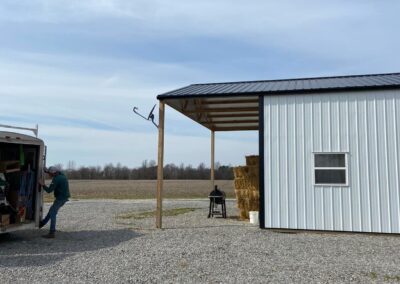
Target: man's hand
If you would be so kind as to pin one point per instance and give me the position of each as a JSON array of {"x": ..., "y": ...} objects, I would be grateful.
[{"x": 41, "y": 183}]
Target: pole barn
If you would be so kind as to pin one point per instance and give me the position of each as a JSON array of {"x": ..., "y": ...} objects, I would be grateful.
[{"x": 329, "y": 146}]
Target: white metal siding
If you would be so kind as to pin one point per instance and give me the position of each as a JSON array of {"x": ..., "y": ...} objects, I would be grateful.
[{"x": 366, "y": 125}]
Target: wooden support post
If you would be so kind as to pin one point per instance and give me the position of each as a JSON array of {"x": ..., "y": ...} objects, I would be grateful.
[
  {"x": 212, "y": 159},
  {"x": 160, "y": 165}
]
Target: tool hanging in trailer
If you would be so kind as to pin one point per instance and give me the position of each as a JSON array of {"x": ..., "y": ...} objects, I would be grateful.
[{"x": 4, "y": 204}]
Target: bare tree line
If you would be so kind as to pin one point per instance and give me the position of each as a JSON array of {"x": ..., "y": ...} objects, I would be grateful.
[{"x": 147, "y": 171}]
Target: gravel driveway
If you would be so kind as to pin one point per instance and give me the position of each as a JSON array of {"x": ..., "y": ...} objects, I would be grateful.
[{"x": 95, "y": 246}]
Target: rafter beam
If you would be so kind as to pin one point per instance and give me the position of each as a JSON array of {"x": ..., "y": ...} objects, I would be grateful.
[
  {"x": 233, "y": 115},
  {"x": 197, "y": 105},
  {"x": 184, "y": 104},
  {"x": 243, "y": 128},
  {"x": 218, "y": 102},
  {"x": 238, "y": 109},
  {"x": 229, "y": 121}
]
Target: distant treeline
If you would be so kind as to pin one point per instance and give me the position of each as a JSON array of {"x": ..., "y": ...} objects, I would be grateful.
[{"x": 147, "y": 171}]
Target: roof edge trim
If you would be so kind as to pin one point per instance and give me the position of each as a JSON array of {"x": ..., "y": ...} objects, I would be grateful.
[{"x": 282, "y": 92}]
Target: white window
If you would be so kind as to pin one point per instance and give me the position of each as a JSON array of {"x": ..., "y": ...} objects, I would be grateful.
[{"x": 330, "y": 169}]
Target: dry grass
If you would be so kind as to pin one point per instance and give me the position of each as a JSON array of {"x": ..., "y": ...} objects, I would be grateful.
[{"x": 144, "y": 189}]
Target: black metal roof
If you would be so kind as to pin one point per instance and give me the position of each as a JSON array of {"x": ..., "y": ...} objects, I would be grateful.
[{"x": 300, "y": 85}]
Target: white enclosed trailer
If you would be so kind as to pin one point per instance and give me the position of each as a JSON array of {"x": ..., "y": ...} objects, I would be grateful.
[{"x": 21, "y": 166}]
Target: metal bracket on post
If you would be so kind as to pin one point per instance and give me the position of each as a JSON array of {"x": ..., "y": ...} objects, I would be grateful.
[
  {"x": 34, "y": 130},
  {"x": 150, "y": 117}
]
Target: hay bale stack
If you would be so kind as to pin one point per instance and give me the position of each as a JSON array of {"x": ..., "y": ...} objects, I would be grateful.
[{"x": 247, "y": 186}]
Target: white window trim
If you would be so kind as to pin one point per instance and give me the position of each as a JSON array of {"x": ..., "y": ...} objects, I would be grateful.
[{"x": 345, "y": 168}]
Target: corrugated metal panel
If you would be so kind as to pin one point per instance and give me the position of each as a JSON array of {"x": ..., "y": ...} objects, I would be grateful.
[
  {"x": 291, "y": 85},
  {"x": 367, "y": 127}
]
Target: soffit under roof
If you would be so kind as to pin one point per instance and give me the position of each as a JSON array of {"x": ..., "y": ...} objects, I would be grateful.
[{"x": 220, "y": 114}]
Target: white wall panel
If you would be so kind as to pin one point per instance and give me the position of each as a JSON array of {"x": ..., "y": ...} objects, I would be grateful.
[
  {"x": 354, "y": 163},
  {"x": 300, "y": 181},
  {"x": 366, "y": 125}
]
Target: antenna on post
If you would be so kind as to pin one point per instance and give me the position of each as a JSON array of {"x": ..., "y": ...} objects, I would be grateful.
[{"x": 150, "y": 117}]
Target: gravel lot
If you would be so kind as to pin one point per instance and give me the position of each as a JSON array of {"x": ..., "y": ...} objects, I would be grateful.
[{"x": 94, "y": 246}]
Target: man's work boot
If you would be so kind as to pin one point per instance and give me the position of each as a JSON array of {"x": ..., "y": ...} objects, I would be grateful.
[
  {"x": 41, "y": 224},
  {"x": 50, "y": 235}
]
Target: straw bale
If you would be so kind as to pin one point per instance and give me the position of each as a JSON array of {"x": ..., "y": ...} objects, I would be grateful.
[
  {"x": 246, "y": 171},
  {"x": 240, "y": 194},
  {"x": 253, "y": 171},
  {"x": 244, "y": 214},
  {"x": 253, "y": 188},
  {"x": 245, "y": 192},
  {"x": 254, "y": 205},
  {"x": 253, "y": 197},
  {"x": 242, "y": 183},
  {"x": 240, "y": 172},
  {"x": 254, "y": 194},
  {"x": 246, "y": 204},
  {"x": 253, "y": 182},
  {"x": 239, "y": 183},
  {"x": 236, "y": 173},
  {"x": 250, "y": 183},
  {"x": 241, "y": 191},
  {"x": 252, "y": 160},
  {"x": 243, "y": 203}
]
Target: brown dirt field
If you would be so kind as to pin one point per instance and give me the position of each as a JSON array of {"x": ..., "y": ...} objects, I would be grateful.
[{"x": 143, "y": 189}]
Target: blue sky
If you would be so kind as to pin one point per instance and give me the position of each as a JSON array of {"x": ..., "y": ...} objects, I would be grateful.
[{"x": 78, "y": 67}]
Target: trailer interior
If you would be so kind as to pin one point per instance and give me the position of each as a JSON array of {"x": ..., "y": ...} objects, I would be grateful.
[{"x": 19, "y": 165}]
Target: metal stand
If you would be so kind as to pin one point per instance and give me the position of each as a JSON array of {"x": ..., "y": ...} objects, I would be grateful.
[{"x": 214, "y": 210}]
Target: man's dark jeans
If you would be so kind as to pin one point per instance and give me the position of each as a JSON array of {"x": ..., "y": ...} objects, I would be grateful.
[{"x": 52, "y": 215}]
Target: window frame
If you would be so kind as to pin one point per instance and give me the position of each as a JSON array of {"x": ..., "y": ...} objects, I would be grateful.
[{"x": 345, "y": 168}]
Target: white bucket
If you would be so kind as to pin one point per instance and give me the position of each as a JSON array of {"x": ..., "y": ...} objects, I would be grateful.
[{"x": 253, "y": 217}]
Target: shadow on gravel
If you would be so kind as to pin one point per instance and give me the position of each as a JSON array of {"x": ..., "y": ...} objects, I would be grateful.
[{"x": 27, "y": 248}]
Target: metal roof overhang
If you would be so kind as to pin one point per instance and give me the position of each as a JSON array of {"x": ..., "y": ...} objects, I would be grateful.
[
  {"x": 222, "y": 113},
  {"x": 235, "y": 105}
]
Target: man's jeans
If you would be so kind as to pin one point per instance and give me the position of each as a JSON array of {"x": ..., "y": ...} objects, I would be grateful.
[{"x": 52, "y": 215}]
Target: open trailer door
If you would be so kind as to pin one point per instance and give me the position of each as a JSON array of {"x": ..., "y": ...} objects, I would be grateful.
[{"x": 21, "y": 167}]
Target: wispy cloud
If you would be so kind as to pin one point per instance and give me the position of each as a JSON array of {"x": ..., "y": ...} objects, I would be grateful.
[{"x": 60, "y": 121}]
